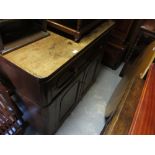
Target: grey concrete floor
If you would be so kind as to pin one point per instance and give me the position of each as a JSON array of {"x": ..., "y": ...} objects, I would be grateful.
[{"x": 88, "y": 117}]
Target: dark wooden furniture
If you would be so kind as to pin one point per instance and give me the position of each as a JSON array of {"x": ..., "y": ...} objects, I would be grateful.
[
  {"x": 120, "y": 43},
  {"x": 148, "y": 27},
  {"x": 11, "y": 122},
  {"x": 144, "y": 122},
  {"x": 17, "y": 33},
  {"x": 144, "y": 34},
  {"x": 62, "y": 76},
  {"x": 74, "y": 86},
  {"x": 117, "y": 44},
  {"x": 74, "y": 27}
]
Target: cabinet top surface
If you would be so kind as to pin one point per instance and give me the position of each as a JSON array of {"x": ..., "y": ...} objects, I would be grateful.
[{"x": 44, "y": 57}]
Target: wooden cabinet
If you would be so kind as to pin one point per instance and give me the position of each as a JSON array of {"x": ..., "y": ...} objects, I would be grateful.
[
  {"x": 69, "y": 97},
  {"x": 68, "y": 91},
  {"x": 119, "y": 42},
  {"x": 93, "y": 69},
  {"x": 49, "y": 99},
  {"x": 98, "y": 66},
  {"x": 57, "y": 95},
  {"x": 60, "y": 107},
  {"x": 89, "y": 74}
]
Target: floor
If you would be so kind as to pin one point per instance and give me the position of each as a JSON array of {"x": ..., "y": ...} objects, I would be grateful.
[{"x": 88, "y": 117}]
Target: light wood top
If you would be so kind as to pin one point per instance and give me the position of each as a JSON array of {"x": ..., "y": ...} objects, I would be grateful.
[{"x": 44, "y": 57}]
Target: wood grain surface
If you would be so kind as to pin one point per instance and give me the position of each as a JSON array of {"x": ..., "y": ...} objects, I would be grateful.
[
  {"x": 124, "y": 101},
  {"x": 144, "y": 119},
  {"x": 44, "y": 57},
  {"x": 121, "y": 121}
]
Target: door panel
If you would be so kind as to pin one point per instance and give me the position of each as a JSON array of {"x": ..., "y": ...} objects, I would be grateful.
[{"x": 69, "y": 98}]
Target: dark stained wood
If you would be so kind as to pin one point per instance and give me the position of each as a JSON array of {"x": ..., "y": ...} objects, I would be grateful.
[
  {"x": 74, "y": 27},
  {"x": 42, "y": 91},
  {"x": 1, "y": 43},
  {"x": 64, "y": 28},
  {"x": 25, "y": 84},
  {"x": 74, "y": 89},
  {"x": 149, "y": 25},
  {"x": 49, "y": 100},
  {"x": 18, "y": 33},
  {"x": 55, "y": 114},
  {"x": 143, "y": 61},
  {"x": 144, "y": 120},
  {"x": 143, "y": 36},
  {"x": 11, "y": 122},
  {"x": 133, "y": 38},
  {"x": 122, "y": 30},
  {"x": 114, "y": 55},
  {"x": 147, "y": 34},
  {"x": 118, "y": 43}
]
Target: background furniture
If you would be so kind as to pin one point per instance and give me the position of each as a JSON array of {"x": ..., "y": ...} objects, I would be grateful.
[
  {"x": 123, "y": 103},
  {"x": 117, "y": 43},
  {"x": 145, "y": 37},
  {"x": 15, "y": 33},
  {"x": 74, "y": 27},
  {"x": 120, "y": 42},
  {"x": 144, "y": 34}
]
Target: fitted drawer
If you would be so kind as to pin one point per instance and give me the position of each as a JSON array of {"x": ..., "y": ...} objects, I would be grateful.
[
  {"x": 53, "y": 86},
  {"x": 91, "y": 52}
]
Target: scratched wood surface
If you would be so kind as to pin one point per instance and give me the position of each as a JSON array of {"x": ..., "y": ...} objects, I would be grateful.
[
  {"x": 125, "y": 98},
  {"x": 44, "y": 57},
  {"x": 136, "y": 70},
  {"x": 144, "y": 119},
  {"x": 121, "y": 121}
]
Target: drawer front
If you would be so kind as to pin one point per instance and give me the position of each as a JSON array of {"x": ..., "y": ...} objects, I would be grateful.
[
  {"x": 65, "y": 78},
  {"x": 55, "y": 85},
  {"x": 91, "y": 52}
]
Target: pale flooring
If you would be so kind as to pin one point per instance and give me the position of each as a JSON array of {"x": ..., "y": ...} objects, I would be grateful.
[{"x": 88, "y": 117}]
